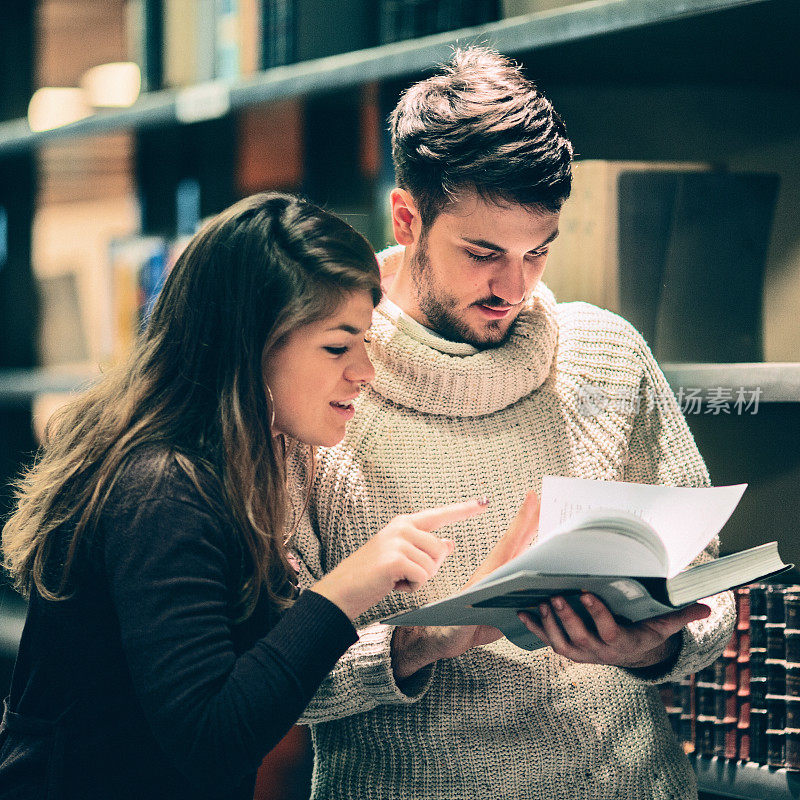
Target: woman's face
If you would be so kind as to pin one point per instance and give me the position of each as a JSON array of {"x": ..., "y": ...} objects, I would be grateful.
[{"x": 316, "y": 373}]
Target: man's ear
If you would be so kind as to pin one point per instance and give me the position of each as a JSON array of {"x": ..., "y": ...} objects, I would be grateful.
[{"x": 406, "y": 223}]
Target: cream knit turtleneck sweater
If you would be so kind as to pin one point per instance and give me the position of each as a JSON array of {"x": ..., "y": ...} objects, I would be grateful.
[{"x": 557, "y": 398}]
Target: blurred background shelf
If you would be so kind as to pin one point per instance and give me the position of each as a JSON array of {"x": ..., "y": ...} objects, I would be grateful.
[
  {"x": 19, "y": 386},
  {"x": 589, "y": 26},
  {"x": 778, "y": 382}
]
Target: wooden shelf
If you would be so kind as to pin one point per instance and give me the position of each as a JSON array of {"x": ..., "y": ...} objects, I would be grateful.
[
  {"x": 778, "y": 382},
  {"x": 534, "y": 32},
  {"x": 746, "y": 781}
]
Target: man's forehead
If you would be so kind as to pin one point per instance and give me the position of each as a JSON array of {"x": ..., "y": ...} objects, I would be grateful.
[{"x": 486, "y": 223}]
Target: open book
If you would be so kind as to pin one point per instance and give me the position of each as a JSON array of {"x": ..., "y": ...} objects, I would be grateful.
[{"x": 627, "y": 543}]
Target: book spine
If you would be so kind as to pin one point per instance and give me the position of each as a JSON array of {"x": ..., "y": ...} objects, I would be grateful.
[
  {"x": 706, "y": 690},
  {"x": 227, "y": 42},
  {"x": 791, "y": 604},
  {"x": 743, "y": 673},
  {"x": 776, "y": 677},
  {"x": 686, "y": 701},
  {"x": 250, "y": 35},
  {"x": 726, "y": 700},
  {"x": 758, "y": 674},
  {"x": 277, "y": 33},
  {"x": 144, "y": 35}
]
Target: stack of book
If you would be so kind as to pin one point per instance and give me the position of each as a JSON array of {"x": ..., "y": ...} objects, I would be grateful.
[
  {"x": 746, "y": 705},
  {"x": 180, "y": 43}
]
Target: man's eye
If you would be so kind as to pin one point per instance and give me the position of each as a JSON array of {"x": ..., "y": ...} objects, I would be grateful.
[
  {"x": 337, "y": 351},
  {"x": 476, "y": 257},
  {"x": 539, "y": 253}
]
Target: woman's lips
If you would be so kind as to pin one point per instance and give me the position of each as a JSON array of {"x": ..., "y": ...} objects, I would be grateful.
[{"x": 346, "y": 410}]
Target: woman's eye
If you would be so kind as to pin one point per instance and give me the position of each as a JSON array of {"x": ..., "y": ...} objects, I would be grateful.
[
  {"x": 368, "y": 337},
  {"x": 337, "y": 351},
  {"x": 477, "y": 257}
]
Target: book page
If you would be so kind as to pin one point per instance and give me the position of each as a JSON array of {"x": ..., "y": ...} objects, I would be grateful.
[{"x": 685, "y": 518}]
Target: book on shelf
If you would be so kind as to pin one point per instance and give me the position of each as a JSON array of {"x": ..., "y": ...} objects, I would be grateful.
[
  {"x": 710, "y": 307},
  {"x": 759, "y": 722},
  {"x": 655, "y": 241},
  {"x": 144, "y": 33},
  {"x": 62, "y": 335},
  {"x": 139, "y": 265},
  {"x": 250, "y": 35},
  {"x": 277, "y": 33},
  {"x": 189, "y": 42},
  {"x": 613, "y": 237},
  {"x": 630, "y": 544},
  {"x": 227, "y": 39}
]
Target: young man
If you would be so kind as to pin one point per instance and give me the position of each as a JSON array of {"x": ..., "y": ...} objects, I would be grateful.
[{"x": 481, "y": 387}]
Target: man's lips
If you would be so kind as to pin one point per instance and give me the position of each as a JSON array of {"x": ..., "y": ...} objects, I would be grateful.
[{"x": 493, "y": 312}]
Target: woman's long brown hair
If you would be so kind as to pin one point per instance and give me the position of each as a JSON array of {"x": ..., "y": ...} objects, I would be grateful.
[{"x": 193, "y": 387}]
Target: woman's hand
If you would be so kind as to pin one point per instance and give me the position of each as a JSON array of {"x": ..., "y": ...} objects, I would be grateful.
[
  {"x": 415, "y": 647},
  {"x": 400, "y": 557}
]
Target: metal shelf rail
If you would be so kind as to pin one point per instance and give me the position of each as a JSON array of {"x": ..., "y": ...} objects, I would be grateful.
[{"x": 746, "y": 781}]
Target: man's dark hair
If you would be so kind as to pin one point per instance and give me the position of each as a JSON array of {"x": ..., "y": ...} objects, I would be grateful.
[{"x": 480, "y": 125}]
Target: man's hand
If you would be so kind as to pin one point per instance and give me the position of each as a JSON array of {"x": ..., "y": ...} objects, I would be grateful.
[
  {"x": 642, "y": 644},
  {"x": 415, "y": 648}
]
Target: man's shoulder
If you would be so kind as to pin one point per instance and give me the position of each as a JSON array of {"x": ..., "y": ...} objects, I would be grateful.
[
  {"x": 583, "y": 326},
  {"x": 599, "y": 346}
]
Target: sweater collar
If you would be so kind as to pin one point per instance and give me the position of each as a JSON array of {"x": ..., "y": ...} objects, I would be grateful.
[{"x": 416, "y": 368}]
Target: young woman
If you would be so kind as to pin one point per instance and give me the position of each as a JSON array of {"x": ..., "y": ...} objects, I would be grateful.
[{"x": 165, "y": 650}]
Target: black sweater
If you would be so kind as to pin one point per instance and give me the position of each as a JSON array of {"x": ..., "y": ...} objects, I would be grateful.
[{"x": 141, "y": 685}]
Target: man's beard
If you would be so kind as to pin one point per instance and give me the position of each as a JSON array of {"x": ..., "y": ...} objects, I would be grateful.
[{"x": 440, "y": 309}]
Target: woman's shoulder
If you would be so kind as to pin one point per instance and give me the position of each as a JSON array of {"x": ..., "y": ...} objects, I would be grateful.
[{"x": 156, "y": 473}]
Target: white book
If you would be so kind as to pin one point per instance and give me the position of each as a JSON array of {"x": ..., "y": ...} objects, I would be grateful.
[{"x": 628, "y": 543}]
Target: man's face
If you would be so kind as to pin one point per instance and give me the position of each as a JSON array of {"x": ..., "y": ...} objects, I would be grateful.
[{"x": 473, "y": 269}]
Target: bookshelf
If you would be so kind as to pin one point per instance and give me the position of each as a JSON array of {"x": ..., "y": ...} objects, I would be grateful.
[
  {"x": 606, "y": 56},
  {"x": 520, "y": 35}
]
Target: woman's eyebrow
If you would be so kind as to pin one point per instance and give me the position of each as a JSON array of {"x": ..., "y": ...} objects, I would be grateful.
[{"x": 346, "y": 328}]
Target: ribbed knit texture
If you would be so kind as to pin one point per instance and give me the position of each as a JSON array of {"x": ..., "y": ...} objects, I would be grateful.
[{"x": 497, "y": 722}]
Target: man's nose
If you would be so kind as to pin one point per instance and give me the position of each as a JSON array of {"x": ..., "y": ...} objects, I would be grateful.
[{"x": 509, "y": 283}]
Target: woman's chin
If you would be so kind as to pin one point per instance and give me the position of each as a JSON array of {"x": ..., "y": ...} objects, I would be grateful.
[{"x": 324, "y": 438}]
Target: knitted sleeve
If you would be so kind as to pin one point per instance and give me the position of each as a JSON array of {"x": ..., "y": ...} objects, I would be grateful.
[
  {"x": 662, "y": 451},
  {"x": 363, "y": 678}
]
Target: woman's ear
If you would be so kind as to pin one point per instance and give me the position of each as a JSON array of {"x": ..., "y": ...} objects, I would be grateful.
[{"x": 405, "y": 218}]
